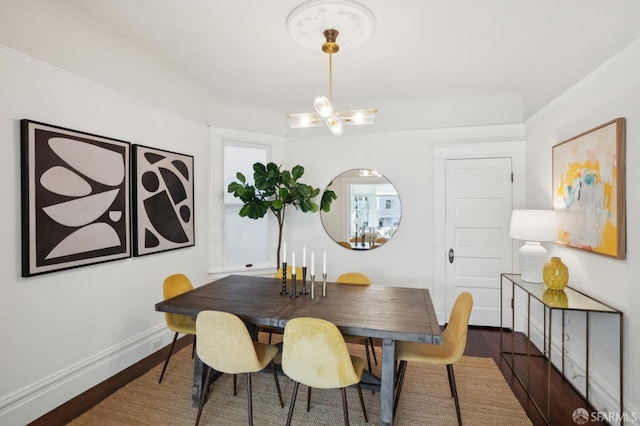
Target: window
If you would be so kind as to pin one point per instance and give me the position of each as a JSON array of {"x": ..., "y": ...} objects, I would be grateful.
[{"x": 246, "y": 241}]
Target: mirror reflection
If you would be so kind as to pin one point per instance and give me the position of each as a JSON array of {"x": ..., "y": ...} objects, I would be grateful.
[{"x": 366, "y": 212}]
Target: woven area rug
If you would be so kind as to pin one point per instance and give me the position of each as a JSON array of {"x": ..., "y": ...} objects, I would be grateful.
[{"x": 485, "y": 399}]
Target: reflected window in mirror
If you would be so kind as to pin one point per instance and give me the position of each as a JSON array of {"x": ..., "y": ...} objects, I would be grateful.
[{"x": 366, "y": 212}]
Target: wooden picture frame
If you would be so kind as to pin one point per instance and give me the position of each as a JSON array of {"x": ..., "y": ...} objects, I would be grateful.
[
  {"x": 75, "y": 198},
  {"x": 163, "y": 200},
  {"x": 589, "y": 190}
]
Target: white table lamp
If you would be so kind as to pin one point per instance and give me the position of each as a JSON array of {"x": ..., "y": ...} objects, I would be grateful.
[{"x": 533, "y": 226}]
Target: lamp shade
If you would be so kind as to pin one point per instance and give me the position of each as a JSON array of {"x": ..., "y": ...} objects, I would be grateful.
[
  {"x": 534, "y": 225},
  {"x": 323, "y": 106}
]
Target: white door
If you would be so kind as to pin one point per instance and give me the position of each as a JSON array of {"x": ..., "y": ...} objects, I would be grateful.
[{"x": 478, "y": 212}]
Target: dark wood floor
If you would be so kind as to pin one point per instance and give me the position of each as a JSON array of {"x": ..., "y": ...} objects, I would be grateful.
[
  {"x": 485, "y": 342},
  {"x": 481, "y": 342}
]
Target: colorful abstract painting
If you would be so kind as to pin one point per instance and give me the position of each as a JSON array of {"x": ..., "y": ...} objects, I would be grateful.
[
  {"x": 75, "y": 198},
  {"x": 589, "y": 190},
  {"x": 163, "y": 199}
]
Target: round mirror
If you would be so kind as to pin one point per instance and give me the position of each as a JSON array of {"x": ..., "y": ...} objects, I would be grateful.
[{"x": 366, "y": 211}]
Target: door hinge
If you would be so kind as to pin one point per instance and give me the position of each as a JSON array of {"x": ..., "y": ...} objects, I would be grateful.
[
  {"x": 511, "y": 177},
  {"x": 512, "y": 303}
]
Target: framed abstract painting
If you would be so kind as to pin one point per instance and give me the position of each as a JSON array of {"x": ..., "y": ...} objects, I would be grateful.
[
  {"x": 75, "y": 198},
  {"x": 589, "y": 190},
  {"x": 163, "y": 201}
]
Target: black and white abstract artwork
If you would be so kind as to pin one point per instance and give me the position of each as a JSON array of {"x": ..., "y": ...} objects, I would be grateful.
[
  {"x": 75, "y": 198},
  {"x": 163, "y": 200}
]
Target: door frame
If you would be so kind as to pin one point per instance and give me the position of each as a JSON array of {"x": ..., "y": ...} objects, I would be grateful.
[{"x": 510, "y": 149}]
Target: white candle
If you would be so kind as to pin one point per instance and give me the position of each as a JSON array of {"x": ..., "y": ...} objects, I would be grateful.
[
  {"x": 284, "y": 253},
  {"x": 312, "y": 263},
  {"x": 324, "y": 262},
  {"x": 293, "y": 263},
  {"x": 304, "y": 256}
]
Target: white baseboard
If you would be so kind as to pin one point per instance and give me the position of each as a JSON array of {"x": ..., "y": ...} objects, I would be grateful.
[{"x": 36, "y": 399}]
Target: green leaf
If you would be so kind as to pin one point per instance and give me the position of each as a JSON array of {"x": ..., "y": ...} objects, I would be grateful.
[
  {"x": 256, "y": 209},
  {"x": 297, "y": 172},
  {"x": 327, "y": 197},
  {"x": 277, "y": 204}
]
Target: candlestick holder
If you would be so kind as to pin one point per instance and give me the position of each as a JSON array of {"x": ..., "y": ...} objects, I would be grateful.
[
  {"x": 324, "y": 284},
  {"x": 284, "y": 278},
  {"x": 293, "y": 285},
  {"x": 303, "y": 290},
  {"x": 313, "y": 287}
]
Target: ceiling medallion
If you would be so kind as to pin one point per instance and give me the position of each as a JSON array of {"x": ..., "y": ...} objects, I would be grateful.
[{"x": 353, "y": 21}]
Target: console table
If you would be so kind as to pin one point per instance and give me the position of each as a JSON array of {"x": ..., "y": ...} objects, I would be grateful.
[{"x": 571, "y": 300}]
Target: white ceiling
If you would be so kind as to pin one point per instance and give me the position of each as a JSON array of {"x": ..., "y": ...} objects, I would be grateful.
[{"x": 429, "y": 63}]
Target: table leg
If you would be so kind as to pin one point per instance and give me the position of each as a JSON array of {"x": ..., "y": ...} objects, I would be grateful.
[
  {"x": 387, "y": 381},
  {"x": 198, "y": 378}
]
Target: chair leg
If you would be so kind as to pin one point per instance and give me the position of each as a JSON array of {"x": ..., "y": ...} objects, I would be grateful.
[
  {"x": 345, "y": 410},
  {"x": 173, "y": 344},
  {"x": 451, "y": 379},
  {"x": 366, "y": 349},
  {"x": 293, "y": 402},
  {"x": 275, "y": 377},
  {"x": 373, "y": 349},
  {"x": 364, "y": 410},
  {"x": 308, "y": 398},
  {"x": 203, "y": 394},
  {"x": 454, "y": 392},
  {"x": 193, "y": 349},
  {"x": 235, "y": 388},
  {"x": 249, "y": 399},
  {"x": 400, "y": 380}
]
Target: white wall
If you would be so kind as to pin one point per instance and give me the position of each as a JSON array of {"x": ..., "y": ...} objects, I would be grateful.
[
  {"x": 611, "y": 91},
  {"x": 67, "y": 331}
]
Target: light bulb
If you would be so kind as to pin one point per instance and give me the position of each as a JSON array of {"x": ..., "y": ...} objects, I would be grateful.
[
  {"x": 323, "y": 106},
  {"x": 297, "y": 121},
  {"x": 335, "y": 125}
]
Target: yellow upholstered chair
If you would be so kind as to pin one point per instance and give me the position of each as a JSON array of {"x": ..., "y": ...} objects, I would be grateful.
[
  {"x": 357, "y": 278},
  {"x": 174, "y": 285},
  {"x": 315, "y": 354},
  {"x": 454, "y": 340},
  {"x": 224, "y": 344}
]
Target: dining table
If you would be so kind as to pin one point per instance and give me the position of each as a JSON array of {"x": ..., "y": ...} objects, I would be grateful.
[{"x": 386, "y": 312}]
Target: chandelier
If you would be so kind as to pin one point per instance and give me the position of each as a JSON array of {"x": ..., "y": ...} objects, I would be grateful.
[{"x": 303, "y": 23}]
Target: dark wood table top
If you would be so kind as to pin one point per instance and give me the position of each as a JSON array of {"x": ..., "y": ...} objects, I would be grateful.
[{"x": 396, "y": 313}]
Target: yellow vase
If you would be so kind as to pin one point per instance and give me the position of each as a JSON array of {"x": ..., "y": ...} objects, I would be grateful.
[
  {"x": 555, "y": 298},
  {"x": 555, "y": 274}
]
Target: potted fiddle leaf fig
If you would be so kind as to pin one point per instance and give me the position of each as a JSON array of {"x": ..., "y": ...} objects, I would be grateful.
[{"x": 273, "y": 191}]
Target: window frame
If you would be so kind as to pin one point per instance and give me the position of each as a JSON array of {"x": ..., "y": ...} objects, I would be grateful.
[{"x": 217, "y": 243}]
